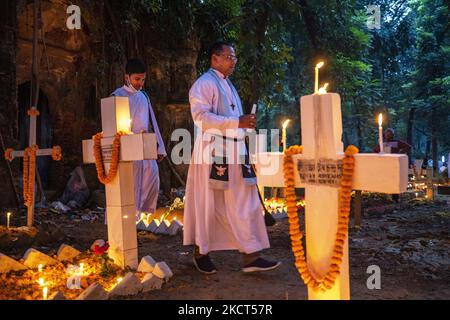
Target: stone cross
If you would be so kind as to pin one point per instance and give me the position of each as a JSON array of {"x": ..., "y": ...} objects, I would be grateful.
[
  {"x": 120, "y": 205},
  {"x": 33, "y": 113},
  {"x": 317, "y": 170}
]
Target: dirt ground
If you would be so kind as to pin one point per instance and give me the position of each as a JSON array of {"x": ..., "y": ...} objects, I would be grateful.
[{"x": 409, "y": 241}]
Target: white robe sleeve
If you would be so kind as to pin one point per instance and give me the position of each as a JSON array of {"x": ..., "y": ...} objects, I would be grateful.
[{"x": 202, "y": 98}]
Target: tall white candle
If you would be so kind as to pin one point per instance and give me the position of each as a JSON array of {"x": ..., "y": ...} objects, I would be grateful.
[
  {"x": 8, "y": 217},
  {"x": 283, "y": 136},
  {"x": 316, "y": 77},
  {"x": 380, "y": 132}
]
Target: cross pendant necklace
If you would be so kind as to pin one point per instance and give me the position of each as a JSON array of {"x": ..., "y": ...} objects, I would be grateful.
[{"x": 232, "y": 106}]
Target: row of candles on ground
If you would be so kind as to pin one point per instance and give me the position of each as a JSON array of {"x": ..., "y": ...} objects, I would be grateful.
[
  {"x": 276, "y": 205},
  {"x": 45, "y": 285}
]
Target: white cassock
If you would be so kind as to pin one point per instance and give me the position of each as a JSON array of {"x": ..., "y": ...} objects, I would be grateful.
[
  {"x": 146, "y": 173},
  {"x": 219, "y": 219}
]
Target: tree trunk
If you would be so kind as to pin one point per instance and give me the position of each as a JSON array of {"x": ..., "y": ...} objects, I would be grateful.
[
  {"x": 434, "y": 144},
  {"x": 309, "y": 17},
  {"x": 409, "y": 129},
  {"x": 260, "y": 34}
]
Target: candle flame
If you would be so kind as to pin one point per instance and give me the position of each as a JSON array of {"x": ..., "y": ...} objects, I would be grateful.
[
  {"x": 323, "y": 90},
  {"x": 40, "y": 268},
  {"x": 8, "y": 216},
  {"x": 380, "y": 119},
  {"x": 125, "y": 125},
  {"x": 119, "y": 280},
  {"x": 320, "y": 65},
  {"x": 41, "y": 282},
  {"x": 44, "y": 293},
  {"x": 285, "y": 123}
]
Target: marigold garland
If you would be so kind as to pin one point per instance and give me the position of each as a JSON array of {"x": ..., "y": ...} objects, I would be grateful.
[
  {"x": 29, "y": 173},
  {"x": 56, "y": 153},
  {"x": 33, "y": 112},
  {"x": 327, "y": 281},
  {"x": 8, "y": 154},
  {"x": 99, "y": 157}
]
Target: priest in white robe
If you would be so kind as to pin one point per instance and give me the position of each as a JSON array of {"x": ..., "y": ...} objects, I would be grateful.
[
  {"x": 146, "y": 173},
  {"x": 222, "y": 207}
]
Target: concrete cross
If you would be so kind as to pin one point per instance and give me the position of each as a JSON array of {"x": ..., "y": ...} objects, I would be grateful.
[
  {"x": 120, "y": 205},
  {"x": 33, "y": 113},
  {"x": 321, "y": 128}
]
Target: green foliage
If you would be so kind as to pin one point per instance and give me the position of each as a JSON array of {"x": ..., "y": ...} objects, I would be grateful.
[{"x": 401, "y": 69}]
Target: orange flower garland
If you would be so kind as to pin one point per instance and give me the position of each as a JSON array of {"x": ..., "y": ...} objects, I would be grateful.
[
  {"x": 99, "y": 157},
  {"x": 8, "y": 154},
  {"x": 56, "y": 153},
  {"x": 33, "y": 112},
  {"x": 29, "y": 172},
  {"x": 327, "y": 281}
]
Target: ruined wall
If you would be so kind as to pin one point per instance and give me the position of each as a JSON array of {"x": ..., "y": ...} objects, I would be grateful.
[
  {"x": 79, "y": 67},
  {"x": 8, "y": 96}
]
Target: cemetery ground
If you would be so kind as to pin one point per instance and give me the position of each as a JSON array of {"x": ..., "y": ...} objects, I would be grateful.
[{"x": 409, "y": 241}]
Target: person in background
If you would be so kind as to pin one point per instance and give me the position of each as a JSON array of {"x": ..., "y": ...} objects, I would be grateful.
[
  {"x": 392, "y": 145},
  {"x": 146, "y": 173}
]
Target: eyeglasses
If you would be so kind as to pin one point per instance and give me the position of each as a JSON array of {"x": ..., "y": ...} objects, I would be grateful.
[{"x": 229, "y": 57}]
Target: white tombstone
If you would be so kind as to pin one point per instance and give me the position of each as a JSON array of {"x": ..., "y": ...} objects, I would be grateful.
[
  {"x": 120, "y": 209},
  {"x": 130, "y": 285},
  {"x": 8, "y": 264},
  {"x": 321, "y": 126},
  {"x": 151, "y": 282},
  {"x": 94, "y": 292},
  {"x": 162, "y": 271},
  {"x": 67, "y": 253},
  {"x": 146, "y": 265},
  {"x": 33, "y": 258}
]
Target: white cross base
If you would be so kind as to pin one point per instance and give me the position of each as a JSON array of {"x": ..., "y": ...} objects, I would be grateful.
[
  {"x": 120, "y": 206},
  {"x": 321, "y": 125}
]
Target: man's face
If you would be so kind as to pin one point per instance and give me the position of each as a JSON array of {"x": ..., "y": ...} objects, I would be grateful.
[
  {"x": 388, "y": 135},
  {"x": 136, "y": 79},
  {"x": 225, "y": 62}
]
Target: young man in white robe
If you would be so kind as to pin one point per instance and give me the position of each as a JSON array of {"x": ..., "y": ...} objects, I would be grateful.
[
  {"x": 146, "y": 173},
  {"x": 222, "y": 208}
]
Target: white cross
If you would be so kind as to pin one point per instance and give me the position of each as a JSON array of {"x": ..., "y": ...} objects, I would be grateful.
[
  {"x": 33, "y": 112},
  {"x": 120, "y": 206},
  {"x": 321, "y": 125}
]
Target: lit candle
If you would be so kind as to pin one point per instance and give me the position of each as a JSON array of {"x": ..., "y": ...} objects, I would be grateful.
[
  {"x": 81, "y": 267},
  {"x": 44, "y": 293},
  {"x": 316, "y": 78},
  {"x": 8, "y": 217},
  {"x": 380, "y": 132},
  {"x": 41, "y": 282},
  {"x": 323, "y": 90},
  {"x": 119, "y": 280},
  {"x": 40, "y": 268},
  {"x": 283, "y": 137},
  {"x": 125, "y": 125}
]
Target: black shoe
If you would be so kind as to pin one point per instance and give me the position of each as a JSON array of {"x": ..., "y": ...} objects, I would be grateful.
[
  {"x": 261, "y": 264},
  {"x": 204, "y": 265}
]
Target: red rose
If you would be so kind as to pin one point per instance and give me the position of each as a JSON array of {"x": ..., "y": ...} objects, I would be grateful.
[{"x": 101, "y": 250}]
